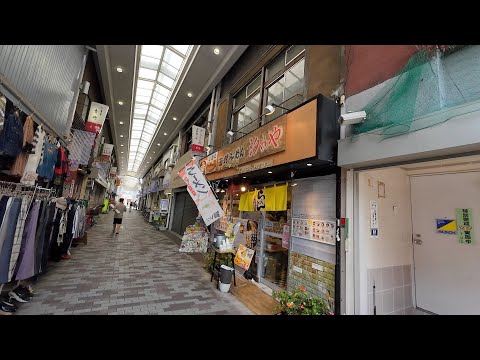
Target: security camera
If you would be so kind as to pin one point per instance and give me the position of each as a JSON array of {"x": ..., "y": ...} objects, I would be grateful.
[{"x": 351, "y": 118}]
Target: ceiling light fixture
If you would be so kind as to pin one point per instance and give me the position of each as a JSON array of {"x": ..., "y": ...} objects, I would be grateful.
[
  {"x": 122, "y": 152},
  {"x": 121, "y": 145},
  {"x": 119, "y": 69},
  {"x": 309, "y": 164},
  {"x": 216, "y": 51},
  {"x": 189, "y": 94},
  {"x": 120, "y": 102},
  {"x": 269, "y": 172},
  {"x": 174, "y": 118},
  {"x": 158, "y": 144},
  {"x": 121, "y": 122},
  {"x": 165, "y": 134},
  {"x": 243, "y": 188},
  {"x": 121, "y": 135},
  {"x": 294, "y": 184},
  {"x": 244, "y": 177}
]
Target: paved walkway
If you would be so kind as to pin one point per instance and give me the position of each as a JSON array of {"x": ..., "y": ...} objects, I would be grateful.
[{"x": 139, "y": 271}]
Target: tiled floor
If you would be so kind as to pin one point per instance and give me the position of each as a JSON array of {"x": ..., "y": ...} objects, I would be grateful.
[{"x": 139, "y": 271}]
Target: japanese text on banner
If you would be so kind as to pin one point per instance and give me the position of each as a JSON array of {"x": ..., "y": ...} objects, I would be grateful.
[{"x": 201, "y": 193}]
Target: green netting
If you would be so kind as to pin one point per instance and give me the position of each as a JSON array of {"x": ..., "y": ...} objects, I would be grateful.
[{"x": 430, "y": 89}]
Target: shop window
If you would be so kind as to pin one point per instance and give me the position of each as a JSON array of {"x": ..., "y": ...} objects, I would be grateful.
[
  {"x": 284, "y": 86},
  {"x": 287, "y": 90},
  {"x": 245, "y": 119},
  {"x": 246, "y": 104}
]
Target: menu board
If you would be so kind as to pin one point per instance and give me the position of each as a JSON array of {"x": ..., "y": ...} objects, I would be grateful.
[
  {"x": 274, "y": 227},
  {"x": 316, "y": 230}
]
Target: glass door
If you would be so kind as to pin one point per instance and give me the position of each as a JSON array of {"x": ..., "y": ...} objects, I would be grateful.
[{"x": 274, "y": 256}]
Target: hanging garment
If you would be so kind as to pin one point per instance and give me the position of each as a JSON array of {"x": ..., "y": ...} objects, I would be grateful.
[
  {"x": 30, "y": 171},
  {"x": 28, "y": 134},
  {"x": 44, "y": 226},
  {"x": 50, "y": 226},
  {"x": 5, "y": 225},
  {"x": 40, "y": 227},
  {"x": 61, "y": 158},
  {"x": 81, "y": 146},
  {"x": 3, "y": 104},
  {"x": 53, "y": 249},
  {"x": 79, "y": 222},
  {"x": 46, "y": 167},
  {"x": 3, "y": 207},
  {"x": 62, "y": 227},
  {"x": 25, "y": 267},
  {"x": 68, "y": 236},
  {"x": 9, "y": 234},
  {"x": 17, "y": 241},
  {"x": 18, "y": 166},
  {"x": 11, "y": 136}
]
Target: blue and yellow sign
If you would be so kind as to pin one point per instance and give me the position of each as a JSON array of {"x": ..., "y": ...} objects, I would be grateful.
[{"x": 446, "y": 226}]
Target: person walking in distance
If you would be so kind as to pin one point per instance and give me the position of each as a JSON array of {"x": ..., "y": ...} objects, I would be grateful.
[
  {"x": 119, "y": 209},
  {"x": 131, "y": 205}
]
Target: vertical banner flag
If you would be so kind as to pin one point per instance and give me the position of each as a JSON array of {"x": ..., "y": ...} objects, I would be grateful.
[
  {"x": 96, "y": 117},
  {"x": 201, "y": 193},
  {"x": 198, "y": 138}
]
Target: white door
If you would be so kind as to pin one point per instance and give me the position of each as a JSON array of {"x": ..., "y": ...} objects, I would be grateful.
[{"x": 447, "y": 272}]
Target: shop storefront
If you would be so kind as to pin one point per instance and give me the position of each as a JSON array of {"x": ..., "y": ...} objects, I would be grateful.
[
  {"x": 279, "y": 182},
  {"x": 183, "y": 208},
  {"x": 412, "y": 199}
]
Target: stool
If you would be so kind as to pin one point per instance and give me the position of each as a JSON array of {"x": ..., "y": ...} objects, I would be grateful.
[{"x": 232, "y": 255}]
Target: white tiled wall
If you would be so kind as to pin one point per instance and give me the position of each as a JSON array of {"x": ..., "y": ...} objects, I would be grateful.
[{"x": 393, "y": 290}]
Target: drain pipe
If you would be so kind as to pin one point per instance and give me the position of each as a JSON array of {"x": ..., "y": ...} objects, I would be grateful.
[
  {"x": 214, "y": 115},
  {"x": 210, "y": 119}
]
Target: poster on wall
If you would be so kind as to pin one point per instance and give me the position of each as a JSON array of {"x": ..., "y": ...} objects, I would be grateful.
[
  {"x": 313, "y": 229},
  {"x": 446, "y": 226},
  {"x": 247, "y": 234},
  {"x": 243, "y": 257},
  {"x": 96, "y": 117},
  {"x": 373, "y": 219},
  {"x": 285, "y": 236},
  {"x": 164, "y": 203},
  {"x": 201, "y": 193},
  {"x": 198, "y": 138},
  {"x": 464, "y": 225}
]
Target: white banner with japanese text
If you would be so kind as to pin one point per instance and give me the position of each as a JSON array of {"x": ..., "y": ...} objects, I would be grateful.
[
  {"x": 198, "y": 138},
  {"x": 201, "y": 193}
]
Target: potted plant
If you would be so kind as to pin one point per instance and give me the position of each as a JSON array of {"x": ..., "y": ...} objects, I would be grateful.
[{"x": 300, "y": 302}]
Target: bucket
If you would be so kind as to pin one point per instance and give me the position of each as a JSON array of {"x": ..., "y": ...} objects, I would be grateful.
[
  {"x": 224, "y": 287},
  {"x": 226, "y": 274}
]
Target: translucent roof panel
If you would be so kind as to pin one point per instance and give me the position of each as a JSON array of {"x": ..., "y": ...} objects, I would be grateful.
[{"x": 158, "y": 72}]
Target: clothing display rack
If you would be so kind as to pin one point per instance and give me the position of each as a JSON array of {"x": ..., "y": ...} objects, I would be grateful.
[{"x": 15, "y": 238}]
